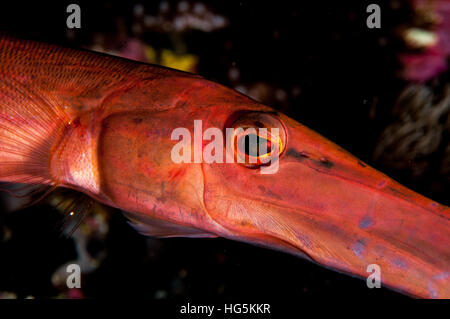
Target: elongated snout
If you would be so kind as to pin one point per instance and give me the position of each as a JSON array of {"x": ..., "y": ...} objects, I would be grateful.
[{"x": 326, "y": 205}]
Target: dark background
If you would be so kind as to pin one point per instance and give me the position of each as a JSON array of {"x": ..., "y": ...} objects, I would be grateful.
[{"x": 319, "y": 64}]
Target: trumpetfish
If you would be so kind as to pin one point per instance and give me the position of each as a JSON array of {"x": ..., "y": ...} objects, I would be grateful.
[{"x": 101, "y": 125}]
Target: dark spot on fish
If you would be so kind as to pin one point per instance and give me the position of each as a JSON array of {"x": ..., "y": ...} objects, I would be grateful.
[
  {"x": 359, "y": 247},
  {"x": 382, "y": 183},
  {"x": 325, "y": 162},
  {"x": 269, "y": 192},
  {"x": 305, "y": 241},
  {"x": 258, "y": 124},
  {"x": 361, "y": 164},
  {"x": 244, "y": 223},
  {"x": 300, "y": 156},
  {"x": 397, "y": 192},
  {"x": 399, "y": 263},
  {"x": 137, "y": 120},
  {"x": 365, "y": 222},
  {"x": 432, "y": 285}
]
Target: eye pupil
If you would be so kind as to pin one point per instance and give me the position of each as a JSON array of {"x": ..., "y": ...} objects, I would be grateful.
[
  {"x": 257, "y": 139},
  {"x": 252, "y": 145}
]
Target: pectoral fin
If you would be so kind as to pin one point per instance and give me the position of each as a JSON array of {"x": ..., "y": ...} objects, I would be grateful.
[{"x": 154, "y": 227}]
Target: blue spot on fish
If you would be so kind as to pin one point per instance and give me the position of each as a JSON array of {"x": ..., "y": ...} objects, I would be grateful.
[
  {"x": 365, "y": 222},
  {"x": 359, "y": 247},
  {"x": 400, "y": 263},
  {"x": 432, "y": 285},
  {"x": 442, "y": 275},
  {"x": 433, "y": 292},
  {"x": 305, "y": 241}
]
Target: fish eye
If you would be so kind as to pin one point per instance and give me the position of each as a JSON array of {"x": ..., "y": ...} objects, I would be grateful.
[
  {"x": 258, "y": 138},
  {"x": 254, "y": 145}
]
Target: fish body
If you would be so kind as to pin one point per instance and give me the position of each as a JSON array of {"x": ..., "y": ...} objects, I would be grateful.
[{"x": 103, "y": 126}]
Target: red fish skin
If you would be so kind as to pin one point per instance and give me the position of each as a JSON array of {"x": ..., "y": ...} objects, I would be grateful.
[{"x": 113, "y": 142}]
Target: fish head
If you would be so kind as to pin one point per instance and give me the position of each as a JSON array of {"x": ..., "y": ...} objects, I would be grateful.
[
  {"x": 214, "y": 162},
  {"x": 196, "y": 157}
]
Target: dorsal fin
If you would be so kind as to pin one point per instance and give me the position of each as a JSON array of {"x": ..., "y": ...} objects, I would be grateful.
[{"x": 154, "y": 227}]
